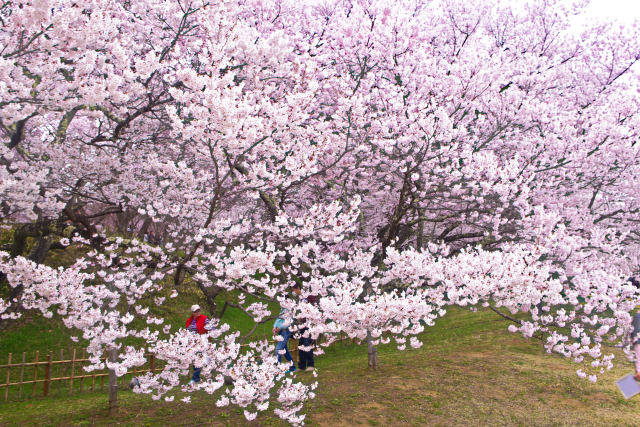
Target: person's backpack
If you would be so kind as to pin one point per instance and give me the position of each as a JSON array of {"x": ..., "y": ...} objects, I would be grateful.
[{"x": 280, "y": 324}]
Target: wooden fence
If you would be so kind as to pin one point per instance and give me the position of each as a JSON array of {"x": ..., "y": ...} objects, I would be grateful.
[{"x": 49, "y": 373}]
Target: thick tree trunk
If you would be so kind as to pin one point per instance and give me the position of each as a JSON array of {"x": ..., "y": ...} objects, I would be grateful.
[
  {"x": 113, "y": 385},
  {"x": 123, "y": 220},
  {"x": 40, "y": 250},
  {"x": 372, "y": 352},
  {"x": 210, "y": 293},
  {"x": 420, "y": 232}
]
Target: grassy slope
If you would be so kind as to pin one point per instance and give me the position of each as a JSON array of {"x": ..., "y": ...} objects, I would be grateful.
[
  {"x": 46, "y": 335},
  {"x": 470, "y": 371}
]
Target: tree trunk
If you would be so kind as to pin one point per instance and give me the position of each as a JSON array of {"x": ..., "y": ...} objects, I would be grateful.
[
  {"x": 210, "y": 293},
  {"x": 113, "y": 384},
  {"x": 40, "y": 250},
  {"x": 420, "y": 232},
  {"x": 372, "y": 352}
]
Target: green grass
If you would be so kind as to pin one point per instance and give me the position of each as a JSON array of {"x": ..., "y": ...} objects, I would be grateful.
[
  {"x": 36, "y": 333},
  {"x": 470, "y": 371}
]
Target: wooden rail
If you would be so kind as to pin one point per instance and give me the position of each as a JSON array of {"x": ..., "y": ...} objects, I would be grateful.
[{"x": 45, "y": 370}]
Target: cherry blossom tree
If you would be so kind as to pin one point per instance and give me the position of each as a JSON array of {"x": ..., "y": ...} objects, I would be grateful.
[
  {"x": 182, "y": 113},
  {"x": 482, "y": 125},
  {"x": 392, "y": 159}
]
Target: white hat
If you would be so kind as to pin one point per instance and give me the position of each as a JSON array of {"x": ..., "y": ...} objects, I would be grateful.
[{"x": 194, "y": 308}]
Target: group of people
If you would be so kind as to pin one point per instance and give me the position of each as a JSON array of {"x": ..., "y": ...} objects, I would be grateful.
[
  {"x": 200, "y": 324},
  {"x": 305, "y": 342}
]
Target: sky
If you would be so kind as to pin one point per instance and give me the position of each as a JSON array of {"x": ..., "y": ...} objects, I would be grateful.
[{"x": 624, "y": 11}]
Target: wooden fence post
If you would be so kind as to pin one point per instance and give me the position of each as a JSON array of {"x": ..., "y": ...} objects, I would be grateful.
[
  {"x": 35, "y": 375},
  {"x": 47, "y": 376},
  {"x": 61, "y": 371},
  {"x": 73, "y": 365},
  {"x": 22, "y": 372},
  {"x": 6, "y": 390},
  {"x": 82, "y": 370}
]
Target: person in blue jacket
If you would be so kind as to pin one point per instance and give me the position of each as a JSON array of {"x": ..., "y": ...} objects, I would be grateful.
[{"x": 281, "y": 327}]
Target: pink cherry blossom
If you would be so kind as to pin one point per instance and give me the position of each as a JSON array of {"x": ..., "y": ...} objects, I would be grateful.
[{"x": 393, "y": 160}]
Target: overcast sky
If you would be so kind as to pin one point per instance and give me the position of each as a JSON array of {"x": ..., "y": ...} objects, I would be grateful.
[{"x": 623, "y": 11}]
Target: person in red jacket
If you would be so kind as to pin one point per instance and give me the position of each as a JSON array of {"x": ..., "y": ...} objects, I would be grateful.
[{"x": 198, "y": 323}]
